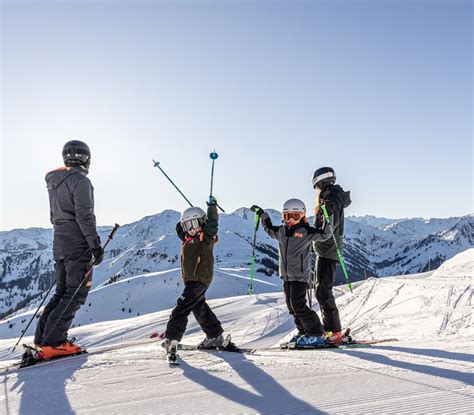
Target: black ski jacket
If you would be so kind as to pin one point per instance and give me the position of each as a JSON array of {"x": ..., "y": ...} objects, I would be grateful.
[
  {"x": 336, "y": 200},
  {"x": 71, "y": 201}
]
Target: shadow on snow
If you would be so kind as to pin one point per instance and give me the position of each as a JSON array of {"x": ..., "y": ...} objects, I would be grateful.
[
  {"x": 271, "y": 397},
  {"x": 43, "y": 391}
]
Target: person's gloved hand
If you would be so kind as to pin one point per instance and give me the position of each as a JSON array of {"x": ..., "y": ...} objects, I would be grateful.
[
  {"x": 212, "y": 201},
  {"x": 98, "y": 253},
  {"x": 257, "y": 209}
]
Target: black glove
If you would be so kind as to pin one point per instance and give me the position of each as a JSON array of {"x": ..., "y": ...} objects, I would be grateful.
[
  {"x": 257, "y": 209},
  {"x": 212, "y": 201},
  {"x": 98, "y": 253}
]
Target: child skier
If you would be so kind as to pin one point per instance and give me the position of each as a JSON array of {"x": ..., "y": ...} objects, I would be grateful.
[
  {"x": 295, "y": 238},
  {"x": 336, "y": 200},
  {"x": 198, "y": 232}
]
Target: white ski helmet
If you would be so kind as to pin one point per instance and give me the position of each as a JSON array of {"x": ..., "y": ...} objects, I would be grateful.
[
  {"x": 293, "y": 211},
  {"x": 192, "y": 218}
]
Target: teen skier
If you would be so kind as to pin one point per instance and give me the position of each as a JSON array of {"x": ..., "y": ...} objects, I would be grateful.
[
  {"x": 198, "y": 233},
  {"x": 336, "y": 200},
  {"x": 76, "y": 248},
  {"x": 295, "y": 238}
]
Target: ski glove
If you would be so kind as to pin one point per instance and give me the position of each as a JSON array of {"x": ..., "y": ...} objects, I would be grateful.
[
  {"x": 98, "y": 255},
  {"x": 257, "y": 209},
  {"x": 212, "y": 201}
]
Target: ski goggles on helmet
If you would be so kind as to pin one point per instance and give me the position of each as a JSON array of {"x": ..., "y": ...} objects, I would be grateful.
[
  {"x": 191, "y": 224},
  {"x": 292, "y": 216}
]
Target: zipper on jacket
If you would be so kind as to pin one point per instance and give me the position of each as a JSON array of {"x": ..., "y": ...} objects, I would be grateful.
[
  {"x": 197, "y": 264},
  {"x": 301, "y": 260}
]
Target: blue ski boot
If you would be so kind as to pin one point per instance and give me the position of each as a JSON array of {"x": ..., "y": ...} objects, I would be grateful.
[{"x": 310, "y": 342}]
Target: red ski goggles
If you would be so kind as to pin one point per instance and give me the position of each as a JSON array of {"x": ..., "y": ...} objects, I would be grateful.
[{"x": 293, "y": 216}]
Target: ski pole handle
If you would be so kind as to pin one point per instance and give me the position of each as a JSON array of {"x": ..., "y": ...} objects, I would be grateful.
[
  {"x": 213, "y": 156},
  {"x": 112, "y": 234}
]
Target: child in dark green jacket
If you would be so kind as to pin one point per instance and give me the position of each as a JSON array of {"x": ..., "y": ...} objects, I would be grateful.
[{"x": 198, "y": 232}]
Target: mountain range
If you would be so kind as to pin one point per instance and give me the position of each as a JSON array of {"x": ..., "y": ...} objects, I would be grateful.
[{"x": 374, "y": 247}]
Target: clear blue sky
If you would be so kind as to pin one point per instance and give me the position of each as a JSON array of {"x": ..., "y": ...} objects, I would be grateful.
[{"x": 380, "y": 90}]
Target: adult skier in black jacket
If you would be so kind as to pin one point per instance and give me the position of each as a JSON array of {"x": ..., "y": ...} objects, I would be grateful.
[
  {"x": 335, "y": 199},
  {"x": 76, "y": 247}
]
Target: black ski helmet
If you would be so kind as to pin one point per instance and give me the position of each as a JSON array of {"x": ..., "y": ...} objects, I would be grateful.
[
  {"x": 323, "y": 177},
  {"x": 76, "y": 153}
]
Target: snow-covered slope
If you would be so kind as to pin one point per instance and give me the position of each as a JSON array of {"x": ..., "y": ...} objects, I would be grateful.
[
  {"x": 429, "y": 370},
  {"x": 438, "y": 305}
]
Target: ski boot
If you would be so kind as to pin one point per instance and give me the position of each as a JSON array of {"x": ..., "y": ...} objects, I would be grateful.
[
  {"x": 335, "y": 338},
  {"x": 292, "y": 340},
  {"x": 310, "y": 342},
  {"x": 68, "y": 348},
  {"x": 171, "y": 348},
  {"x": 213, "y": 343},
  {"x": 29, "y": 356}
]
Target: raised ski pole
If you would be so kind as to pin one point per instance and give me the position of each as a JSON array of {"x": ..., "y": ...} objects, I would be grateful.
[
  {"x": 213, "y": 157},
  {"x": 34, "y": 315},
  {"x": 86, "y": 275},
  {"x": 339, "y": 255},
  {"x": 157, "y": 164},
  {"x": 252, "y": 268}
]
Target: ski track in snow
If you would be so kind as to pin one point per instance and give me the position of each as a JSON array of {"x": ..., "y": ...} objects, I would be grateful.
[
  {"x": 394, "y": 378},
  {"x": 430, "y": 370}
]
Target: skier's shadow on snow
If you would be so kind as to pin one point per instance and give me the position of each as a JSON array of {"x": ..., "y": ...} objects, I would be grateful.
[
  {"x": 465, "y": 377},
  {"x": 443, "y": 354},
  {"x": 269, "y": 397},
  {"x": 43, "y": 389}
]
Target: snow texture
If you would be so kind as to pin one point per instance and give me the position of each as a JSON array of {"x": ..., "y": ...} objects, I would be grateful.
[{"x": 429, "y": 370}]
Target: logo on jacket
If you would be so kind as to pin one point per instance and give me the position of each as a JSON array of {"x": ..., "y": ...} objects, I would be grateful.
[{"x": 298, "y": 235}]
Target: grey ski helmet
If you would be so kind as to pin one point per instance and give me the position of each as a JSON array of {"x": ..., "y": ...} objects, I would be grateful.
[
  {"x": 323, "y": 177},
  {"x": 76, "y": 153},
  {"x": 192, "y": 218}
]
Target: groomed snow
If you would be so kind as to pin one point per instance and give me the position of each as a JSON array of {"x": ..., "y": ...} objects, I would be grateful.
[{"x": 429, "y": 370}]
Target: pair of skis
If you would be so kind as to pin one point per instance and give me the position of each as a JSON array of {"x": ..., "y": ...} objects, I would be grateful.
[
  {"x": 228, "y": 346},
  {"x": 347, "y": 342}
]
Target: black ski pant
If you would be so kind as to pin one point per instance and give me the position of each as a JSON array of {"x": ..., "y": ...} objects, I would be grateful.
[
  {"x": 57, "y": 316},
  {"x": 306, "y": 320},
  {"x": 325, "y": 272},
  {"x": 193, "y": 299}
]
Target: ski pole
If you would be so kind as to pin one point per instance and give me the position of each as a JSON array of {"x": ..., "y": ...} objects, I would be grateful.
[
  {"x": 252, "y": 268},
  {"x": 34, "y": 315},
  {"x": 213, "y": 157},
  {"x": 339, "y": 255},
  {"x": 312, "y": 275},
  {"x": 157, "y": 164},
  {"x": 86, "y": 275}
]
